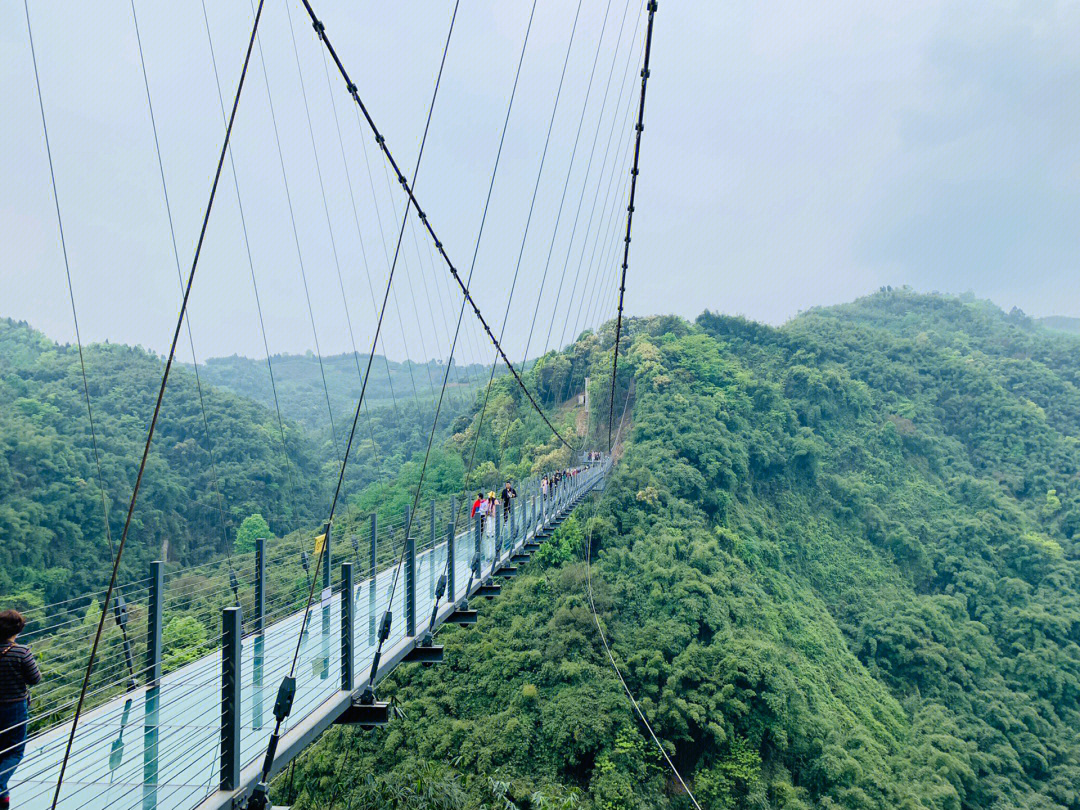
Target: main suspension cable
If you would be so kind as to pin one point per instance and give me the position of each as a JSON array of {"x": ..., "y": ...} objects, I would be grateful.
[
  {"x": 164, "y": 376},
  {"x": 630, "y": 212}
]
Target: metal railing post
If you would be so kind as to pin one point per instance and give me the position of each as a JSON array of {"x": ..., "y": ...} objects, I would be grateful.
[
  {"x": 372, "y": 573},
  {"x": 151, "y": 720},
  {"x": 410, "y": 586},
  {"x": 231, "y": 633},
  {"x": 260, "y": 584},
  {"x": 431, "y": 554},
  {"x": 450, "y": 560},
  {"x": 513, "y": 523},
  {"x": 326, "y": 559},
  {"x": 348, "y": 628},
  {"x": 154, "y": 623}
]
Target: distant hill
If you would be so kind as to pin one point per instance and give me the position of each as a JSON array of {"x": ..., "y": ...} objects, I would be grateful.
[
  {"x": 300, "y": 384},
  {"x": 1061, "y": 323}
]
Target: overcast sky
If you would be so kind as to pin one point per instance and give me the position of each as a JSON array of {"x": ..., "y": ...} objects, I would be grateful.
[{"x": 794, "y": 154}]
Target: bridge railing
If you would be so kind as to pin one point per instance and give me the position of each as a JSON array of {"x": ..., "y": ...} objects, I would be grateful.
[{"x": 153, "y": 734}]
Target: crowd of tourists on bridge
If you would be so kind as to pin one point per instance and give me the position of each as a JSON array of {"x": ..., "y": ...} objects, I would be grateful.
[{"x": 486, "y": 506}]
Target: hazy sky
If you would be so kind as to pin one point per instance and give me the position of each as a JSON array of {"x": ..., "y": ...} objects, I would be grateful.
[{"x": 794, "y": 154}]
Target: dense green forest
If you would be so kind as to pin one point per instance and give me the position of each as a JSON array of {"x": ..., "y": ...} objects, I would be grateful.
[
  {"x": 839, "y": 564},
  {"x": 838, "y": 561},
  {"x": 54, "y": 546}
]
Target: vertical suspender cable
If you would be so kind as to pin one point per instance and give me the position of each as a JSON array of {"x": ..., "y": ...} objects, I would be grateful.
[
  {"x": 457, "y": 331},
  {"x": 254, "y": 283},
  {"x": 630, "y": 213},
  {"x": 164, "y": 376},
  {"x": 180, "y": 279},
  {"x": 74, "y": 312},
  {"x": 521, "y": 252},
  {"x": 566, "y": 185}
]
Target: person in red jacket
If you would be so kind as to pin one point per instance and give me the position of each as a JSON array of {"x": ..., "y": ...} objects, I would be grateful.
[{"x": 476, "y": 504}]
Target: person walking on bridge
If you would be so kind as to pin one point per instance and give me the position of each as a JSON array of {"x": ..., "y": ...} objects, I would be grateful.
[
  {"x": 489, "y": 520},
  {"x": 508, "y": 494},
  {"x": 18, "y": 671}
]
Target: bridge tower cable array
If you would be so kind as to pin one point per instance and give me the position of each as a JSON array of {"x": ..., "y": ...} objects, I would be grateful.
[
  {"x": 630, "y": 211},
  {"x": 329, "y": 225},
  {"x": 585, "y": 177},
  {"x": 255, "y": 285},
  {"x": 187, "y": 324},
  {"x": 164, "y": 377},
  {"x": 453, "y": 346},
  {"x": 521, "y": 249},
  {"x": 287, "y": 690},
  {"x": 472, "y": 268},
  {"x": 608, "y": 214},
  {"x": 320, "y": 30},
  {"x": 566, "y": 183},
  {"x": 616, "y": 125}
]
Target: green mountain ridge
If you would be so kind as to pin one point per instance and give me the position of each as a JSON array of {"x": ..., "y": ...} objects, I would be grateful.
[
  {"x": 51, "y": 530},
  {"x": 53, "y": 544},
  {"x": 1061, "y": 323},
  {"x": 838, "y": 561},
  {"x": 839, "y": 565}
]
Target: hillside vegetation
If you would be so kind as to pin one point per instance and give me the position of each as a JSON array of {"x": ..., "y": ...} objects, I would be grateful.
[
  {"x": 839, "y": 563},
  {"x": 52, "y": 540}
]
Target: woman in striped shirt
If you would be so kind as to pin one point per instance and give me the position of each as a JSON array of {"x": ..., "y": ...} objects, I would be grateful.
[{"x": 18, "y": 672}]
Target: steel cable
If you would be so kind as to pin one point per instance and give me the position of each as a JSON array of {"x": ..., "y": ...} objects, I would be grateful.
[{"x": 165, "y": 374}]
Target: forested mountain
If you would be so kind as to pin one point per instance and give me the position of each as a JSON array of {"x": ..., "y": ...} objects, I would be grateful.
[
  {"x": 839, "y": 565},
  {"x": 299, "y": 382},
  {"x": 1061, "y": 323},
  {"x": 52, "y": 540},
  {"x": 838, "y": 561}
]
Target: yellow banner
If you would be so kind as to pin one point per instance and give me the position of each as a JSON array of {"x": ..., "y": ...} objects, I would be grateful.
[{"x": 320, "y": 544}]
